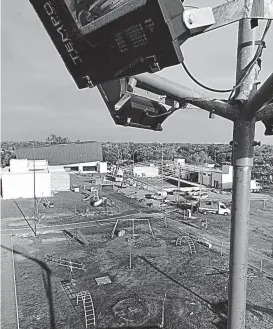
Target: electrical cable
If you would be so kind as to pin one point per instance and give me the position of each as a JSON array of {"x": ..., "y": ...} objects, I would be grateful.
[
  {"x": 243, "y": 78},
  {"x": 258, "y": 54}
]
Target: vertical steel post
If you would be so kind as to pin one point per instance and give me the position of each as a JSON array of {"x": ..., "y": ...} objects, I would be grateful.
[
  {"x": 162, "y": 177},
  {"x": 243, "y": 149},
  {"x": 179, "y": 183}
]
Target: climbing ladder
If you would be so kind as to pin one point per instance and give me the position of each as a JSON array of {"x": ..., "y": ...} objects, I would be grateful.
[
  {"x": 72, "y": 295},
  {"x": 88, "y": 307},
  {"x": 189, "y": 241},
  {"x": 70, "y": 290}
]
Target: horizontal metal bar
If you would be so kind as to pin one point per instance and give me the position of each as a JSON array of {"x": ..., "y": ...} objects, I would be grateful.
[
  {"x": 234, "y": 11},
  {"x": 180, "y": 93},
  {"x": 263, "y": 96}
]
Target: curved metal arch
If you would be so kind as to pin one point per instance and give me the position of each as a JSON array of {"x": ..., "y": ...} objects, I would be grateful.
[{"x": 189, "y": 241}]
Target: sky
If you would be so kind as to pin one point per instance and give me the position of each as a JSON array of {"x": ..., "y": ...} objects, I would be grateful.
[{"x": 39, "y": 97}]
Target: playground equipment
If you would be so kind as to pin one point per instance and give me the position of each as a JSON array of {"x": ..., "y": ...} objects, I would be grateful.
[
  {"x": 189, "y": 241},
  {"x": 73, "y": 296},
  {"x": 47, "y": 203},
  {"x": 68, "y": 264},
  {"x": 94, "y": 195},
  {"x": 133, "y": 224},
  {"x": 76, "y": 236},
  {"x": 99, "y": 202},
  {"x": 88, "y": 306},
  {"x": 204, "y": 223}
]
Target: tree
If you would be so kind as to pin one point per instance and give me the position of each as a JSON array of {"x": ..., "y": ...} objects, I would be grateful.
[{"x": 54, "y": 139}]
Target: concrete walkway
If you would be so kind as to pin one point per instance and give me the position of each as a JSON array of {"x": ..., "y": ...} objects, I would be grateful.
[{"x": 8, "y": 305}]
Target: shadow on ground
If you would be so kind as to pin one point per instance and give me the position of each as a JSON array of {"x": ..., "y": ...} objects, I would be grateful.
[{"x": 46, "y": 275}]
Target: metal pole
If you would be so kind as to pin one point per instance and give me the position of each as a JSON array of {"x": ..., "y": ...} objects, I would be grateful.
[
  {"x": 179, "y": 183},
  {"x": 162, "y": 179},
  {"x": 181, "y": 93},
  {"x": 243, "y": 149},
  {"x": 263, "y": 96},
  {"x": 163, "y": 311},
  {"x": 130, "y": 251}
]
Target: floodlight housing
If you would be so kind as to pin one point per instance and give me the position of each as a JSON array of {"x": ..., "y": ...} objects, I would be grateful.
[
  {"x": 130, "y": 105},
  {"x": 103, "y": 40}
]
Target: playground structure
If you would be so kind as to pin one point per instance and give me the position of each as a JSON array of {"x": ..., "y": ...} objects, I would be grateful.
[
  {"x": 133, "y": 225},
  {"x": 94, "y": 195},
  {"x": 95, "y": 200},
  {"x": 88, "y": 306},
  {"x": 76, "y": 236},
  {"x": 68, "y": 264},
  {"x": 189, "y": 241}
]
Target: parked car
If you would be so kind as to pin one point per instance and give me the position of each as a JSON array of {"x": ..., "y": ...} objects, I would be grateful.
[
  {"x": 176, "y": 191},
  {"x": 192, "y": 192},
  {"x": 200, "y": 195}
]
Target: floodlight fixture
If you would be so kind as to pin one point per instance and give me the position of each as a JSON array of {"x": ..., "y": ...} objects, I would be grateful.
[
  {"x": 103, "y": 40},
  {"x": 132, "y": 105}
]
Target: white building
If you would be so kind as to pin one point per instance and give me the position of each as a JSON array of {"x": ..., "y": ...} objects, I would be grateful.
[
  {"x": 21, "y": 182},
  {"x": 81, "y": 157},
  {"x": 26, "y": 179},
  {"x": 216, "y": 178},
  {"x": 87, "y": 167},
  {"x": 146, "y": 171},
  {"x": 179, "y": 162}
]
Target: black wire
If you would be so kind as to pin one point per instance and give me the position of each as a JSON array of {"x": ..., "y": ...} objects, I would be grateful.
[
  {"x": 240, "y": 82},
  {"x": 191, "y": 7},
  {"x": 166, "y": 114},
  {"x": 258, "y": 52}
]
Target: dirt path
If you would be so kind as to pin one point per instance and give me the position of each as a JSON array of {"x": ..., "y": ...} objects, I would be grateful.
[{"x": 8, "y": 303}]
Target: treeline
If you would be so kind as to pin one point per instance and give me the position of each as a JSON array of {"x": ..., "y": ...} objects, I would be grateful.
[
  {"x": 114, "y": 152},
  {"x": 192, "y": 153}
]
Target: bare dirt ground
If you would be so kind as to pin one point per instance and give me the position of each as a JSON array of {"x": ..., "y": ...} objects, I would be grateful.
[
  {"x": 195, "y": 285},
  {"x": 8, "y": 304}
]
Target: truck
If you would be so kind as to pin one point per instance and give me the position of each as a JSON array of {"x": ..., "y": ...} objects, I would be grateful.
[
  {"x": 255, "y": 186},
  {"x": 214, "y": 207}
]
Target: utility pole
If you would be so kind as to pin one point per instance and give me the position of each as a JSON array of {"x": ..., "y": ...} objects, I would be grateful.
[
  {"x": 243, "y": 149},
  {"x": 34, "y": 191},
  {"x": 179, "y": 183},
  {"x": 162, "y": 177}
]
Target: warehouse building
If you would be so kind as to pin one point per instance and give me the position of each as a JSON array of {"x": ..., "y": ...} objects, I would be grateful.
[{"x": 74, "y": 157}]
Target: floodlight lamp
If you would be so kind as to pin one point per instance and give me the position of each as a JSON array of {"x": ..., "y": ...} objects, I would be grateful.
[{"x": 132, "y": 106}]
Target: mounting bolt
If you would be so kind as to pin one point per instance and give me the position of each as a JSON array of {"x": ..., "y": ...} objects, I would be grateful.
[
  {"x": 191, "y": 19},
  {"x": 255, "y": 143},
  {"x": 212, "y": 114},
  {"x": 232, "y": 143}
]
